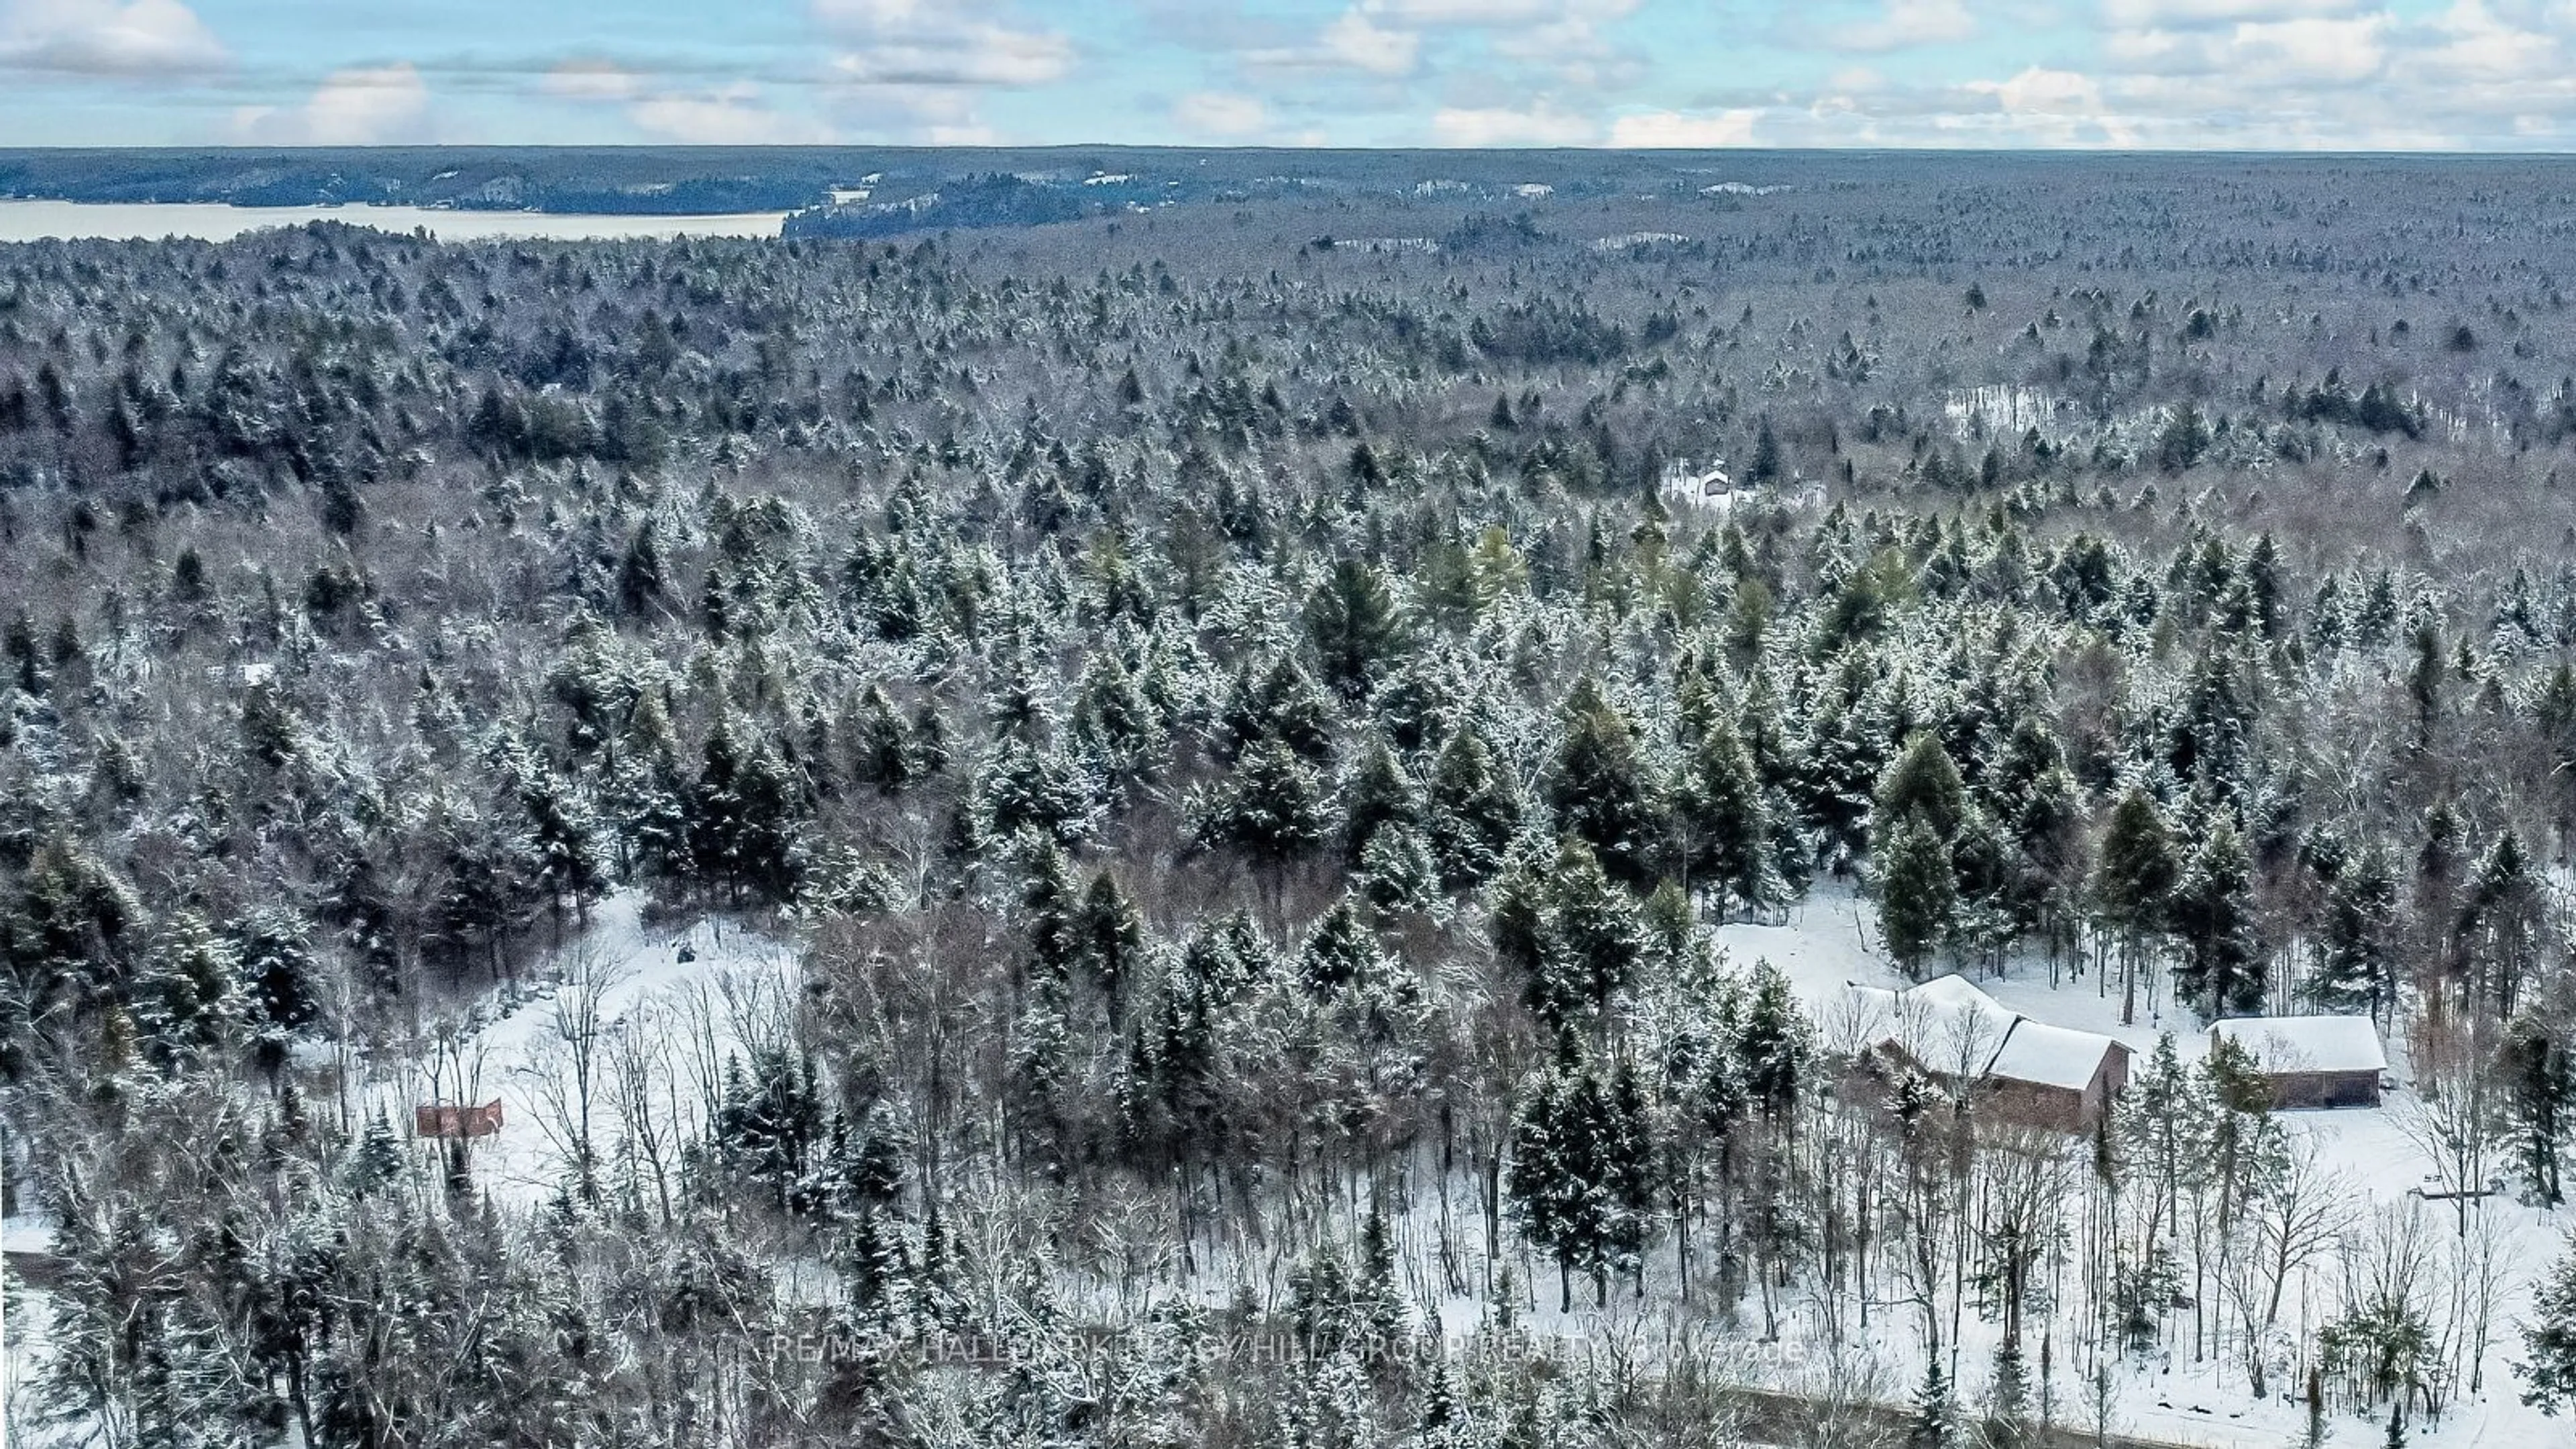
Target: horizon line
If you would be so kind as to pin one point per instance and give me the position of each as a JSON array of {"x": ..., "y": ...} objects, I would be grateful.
[{"x": 812, "y": 148}]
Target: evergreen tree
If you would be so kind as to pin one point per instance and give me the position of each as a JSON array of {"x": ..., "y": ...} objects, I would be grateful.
[
  {"x": 1599, "y": 788},
  {"x": 2354, "y": 948},
  {"x": 1284, "y": 704},
  {"x": 1917, "y": 894},
  {"x": 275, "y": 949},
  {"x": 1379, "y": 794},
  {"x": 1054, "y": 907},
  {"x": 1397, "y": 871},
  {"x": 744, "y": 814},
  {"x": 2133, "y": 885},
  {"x": 1272, "y": 809},
  {"x": 1923, "y": 782},
  {"x": 2500, "y": 927},
  {"x": 1341, "y": 953},
  {"x": 1581, "y": 1171},
  {"x": 563, "y": 836},
  {"x": 187, "y": 994},
  {"x": 1520, "y": 931},
  {"x": 641, "y": 582},
  {"x": 2222, "y": 970},
  {"x": 1351, "y": 621},
  {"x": 2007, "y": 1410},
  {"x": 1935, "y": 1424},
  {"x": 376, "y": 1161},
  {"x": 647, "y": 794},
  {"x": 1556, "y": 1206},
  {"x": 1033, "y": 788},
  {"x": 1115, "y": 721},
  {"x": 1593, "y": 943},
  {"x": 1110, "y": 937},
  {"x": 2540, "y": 1073},
  {"x": 2549, "y": 1338},
  {"x": 1725, "y": 830},
  {"x": 1765, "y": 467},
  {"x": 1774, "y": 1045},
  {"x": 1471, "y": 813},
  {"x": 881, "y": 747}
]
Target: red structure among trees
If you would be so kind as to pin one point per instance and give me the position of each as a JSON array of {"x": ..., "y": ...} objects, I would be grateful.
[{"x": 448, "y": 1122}]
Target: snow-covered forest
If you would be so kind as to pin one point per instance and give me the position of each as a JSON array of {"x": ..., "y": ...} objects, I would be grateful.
[{"x": 1251, "y": 824}]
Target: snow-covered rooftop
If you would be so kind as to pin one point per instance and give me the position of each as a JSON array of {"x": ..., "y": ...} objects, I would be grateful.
[
  {"x": 2053, "y": 1056},
  {"x": 1947, "y": 1022},
  {"x": 2307, "y": 1043}
]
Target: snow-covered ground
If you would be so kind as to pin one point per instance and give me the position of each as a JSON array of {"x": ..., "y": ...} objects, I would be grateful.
[
  {"x": 1823, "y": 946},
  {"x": 648, "y": 1016},
  {"x": 1831, "y": 940},
  {"x": 664, "y": 1008},
  {"x": 665, "y": 1027},
  {"x": 26, "y": 1313}
]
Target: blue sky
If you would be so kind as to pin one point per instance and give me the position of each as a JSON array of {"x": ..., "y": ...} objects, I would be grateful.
[{"x": 2254, "y": 74}]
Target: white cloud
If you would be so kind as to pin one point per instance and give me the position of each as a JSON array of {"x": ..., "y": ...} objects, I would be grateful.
[
  {"x": 1684, "y": 130},
  {"x": 737, "y": 114},
  {"x": 1469, "y": 12},
  {"x": 2159, "y": 14},
  {"x": 1398, "y": 37},
  {"x": 1560, "y": 32},
  {"x": 733, "y": 115},
  {"x": 2471, "y": 75},
  {"x": 1356, "y": 41},
  {"x": 101, "y": 37},
  {"x": 980, "y": 54},
  {"x": 928, "y": 42},
  {"x": 2045, "y": 92},
  {"x": 590, "y": 80},
  {"x": 1541, "y": 125},
  {"x": 867, "y": 15},
  {"x": 2335, "y": 52},
  {"x": 2050, "y": 108},
  {"x": 2474, "y": 45},
  {"x": 916, "y": 67},
  {"x": 1226, "y": 115},
  {"x": 363, "y": 106},
  {"x": 1906, "y": 24},
  {"x": 2161, "y": 52}
]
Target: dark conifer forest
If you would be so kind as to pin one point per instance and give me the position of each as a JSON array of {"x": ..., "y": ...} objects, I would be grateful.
[{"x": 1080, "y": 821}]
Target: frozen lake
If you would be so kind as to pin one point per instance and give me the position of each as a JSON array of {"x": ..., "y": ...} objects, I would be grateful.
[{"x": 24, "y": 220}]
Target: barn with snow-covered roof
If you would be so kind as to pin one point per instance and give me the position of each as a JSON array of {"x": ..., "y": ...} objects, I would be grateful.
[
  {"x": 2312, "y": 1061},
  {"x": 2030, "y": 1072}
]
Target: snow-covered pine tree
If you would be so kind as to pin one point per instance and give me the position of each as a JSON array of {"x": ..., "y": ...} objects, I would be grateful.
[
  {"x": 1726, "y": 833},
  {"x": 2133, "y": 887},
  {"x": 1379, "y": 794},
  {"x": 2548, "y": 1367},
  {"x": 2222, "y": 971},
  {"x": 1917, "y": 894},
  {"x": 1601, "y": 790},
  {"x": 1472, "y": 811}
]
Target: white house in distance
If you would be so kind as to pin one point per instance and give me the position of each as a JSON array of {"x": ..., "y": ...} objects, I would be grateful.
[
  {"x": 2312, "y": 1061},
  {"x": 1699, "y": 487},
  {"x": 2047, "y": 1076}
]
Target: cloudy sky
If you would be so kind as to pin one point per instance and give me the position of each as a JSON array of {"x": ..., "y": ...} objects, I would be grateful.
[{"x": 2253, "y": 74}]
